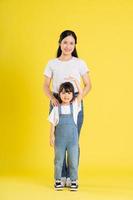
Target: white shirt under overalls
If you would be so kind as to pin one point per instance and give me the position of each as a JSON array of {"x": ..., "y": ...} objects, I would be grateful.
[{"x": 65, "y": 109}]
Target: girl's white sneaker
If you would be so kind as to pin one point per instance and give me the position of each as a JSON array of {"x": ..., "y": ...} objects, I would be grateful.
[
  {"x": 68, "y": 182},
  {"x": 63, "y": 181}
]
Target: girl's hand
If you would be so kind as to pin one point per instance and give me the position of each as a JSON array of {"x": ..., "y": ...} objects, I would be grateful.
[
  {"x": 54, "y": 102},
  {"x": 70, "y": 78},
  {"x": 52, "y": 140}
]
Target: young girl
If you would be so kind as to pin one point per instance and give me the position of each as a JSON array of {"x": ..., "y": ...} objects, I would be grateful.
[
  {"x": 57, "y": 69},
  {"x": 64, "y": 132}
]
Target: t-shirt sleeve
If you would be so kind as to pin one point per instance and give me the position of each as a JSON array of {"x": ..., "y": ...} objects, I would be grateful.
[
  {"x": 53, "y": 117},
  {"x": 83, "y": 68},
  {"x": 48, "y": 70}
]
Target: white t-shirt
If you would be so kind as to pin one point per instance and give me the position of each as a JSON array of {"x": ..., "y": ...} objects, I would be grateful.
[
  {"x": 59, "y": 70},
  {"x": 65, "y": 109}
]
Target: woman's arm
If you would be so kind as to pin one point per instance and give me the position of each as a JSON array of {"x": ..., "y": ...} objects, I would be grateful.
[
  {"x": 47, "y": 91},
  {"x": 52, "y": 136},
  {"x": 87, "y": 84},
  {"x": 46, "y": 87}
]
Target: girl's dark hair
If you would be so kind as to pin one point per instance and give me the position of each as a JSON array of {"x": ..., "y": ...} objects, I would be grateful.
[
  {"x": 62, "y": 36},
  {"x": 67, "y": 87}
]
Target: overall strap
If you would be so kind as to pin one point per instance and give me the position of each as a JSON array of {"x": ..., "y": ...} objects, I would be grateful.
[
  {"x": 59, "y": 108},
  {"x": 71, "y": 108}
]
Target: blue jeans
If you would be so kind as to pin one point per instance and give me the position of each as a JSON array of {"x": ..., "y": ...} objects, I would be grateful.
[{"x": 65, "y": 168}]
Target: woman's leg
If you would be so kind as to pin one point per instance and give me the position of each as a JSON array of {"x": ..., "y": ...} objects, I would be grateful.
[
  {"x": 80, "y": 123},
  {"x": 80, "y": 119}
]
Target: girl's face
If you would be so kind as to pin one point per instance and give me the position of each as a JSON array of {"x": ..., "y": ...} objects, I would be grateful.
[
  {"x": 66, "y": 97},
  {"x": 67, "y": 45}
]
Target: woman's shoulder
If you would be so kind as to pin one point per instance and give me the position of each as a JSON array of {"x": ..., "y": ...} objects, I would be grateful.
[
  {"x": 79, "y": 60},
  {"x": 52, "y": 60},
  {"x": 82, "y": 65},
  {"x": 52, "y": 63}
]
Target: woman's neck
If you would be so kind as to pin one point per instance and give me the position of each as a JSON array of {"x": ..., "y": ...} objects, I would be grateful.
[{"x": 64, "y": 57}]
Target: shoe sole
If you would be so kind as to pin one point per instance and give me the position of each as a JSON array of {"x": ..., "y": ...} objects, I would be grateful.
[
  {"x": 68, "y": 186},
  {"x": 58, "y": 189},
  {"x": 73, "y": 189}
]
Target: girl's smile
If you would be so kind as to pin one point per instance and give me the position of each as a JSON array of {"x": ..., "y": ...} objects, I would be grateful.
[{"x": 66, "y": 97}]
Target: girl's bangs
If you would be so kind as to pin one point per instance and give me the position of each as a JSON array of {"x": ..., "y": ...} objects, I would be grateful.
[{"x": 68, "y": 89}]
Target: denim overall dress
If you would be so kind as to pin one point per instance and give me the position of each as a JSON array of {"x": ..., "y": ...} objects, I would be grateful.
[{"x": 66, "y": 139}]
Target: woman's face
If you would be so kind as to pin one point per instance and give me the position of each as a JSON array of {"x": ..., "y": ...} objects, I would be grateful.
[
  {"x": 66, "y": 97},
  {"x": 67, "y": 45}
]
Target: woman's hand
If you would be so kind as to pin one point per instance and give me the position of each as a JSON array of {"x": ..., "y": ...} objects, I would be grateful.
[
  {"x": 52, "y": 140},
  {"x": 54, "y": 101}
]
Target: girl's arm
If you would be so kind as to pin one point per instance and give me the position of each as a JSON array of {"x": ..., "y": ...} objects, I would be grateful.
[
  {"x": 52, "y": 136},
  {"x": 80, "y": 91},
  {"x": 47, "y": 91}
]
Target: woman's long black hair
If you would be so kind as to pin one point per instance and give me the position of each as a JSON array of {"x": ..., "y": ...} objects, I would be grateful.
[{"x": 62, "y": 36}]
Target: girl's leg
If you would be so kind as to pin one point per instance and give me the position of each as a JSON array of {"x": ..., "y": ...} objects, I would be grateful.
[
  {"x": 65, "y": 169},
  {"x": 58, "y": 161},
  {"x": 73, "y": 161}
]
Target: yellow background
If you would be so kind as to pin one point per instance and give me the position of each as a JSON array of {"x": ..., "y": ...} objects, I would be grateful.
[{"x": 29, "y": 38}]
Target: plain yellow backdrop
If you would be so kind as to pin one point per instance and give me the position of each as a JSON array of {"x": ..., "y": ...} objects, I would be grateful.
[{"x": 29, "y": 38}]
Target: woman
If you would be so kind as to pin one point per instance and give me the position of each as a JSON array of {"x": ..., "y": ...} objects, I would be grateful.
[{"x": 66, "y": 64}]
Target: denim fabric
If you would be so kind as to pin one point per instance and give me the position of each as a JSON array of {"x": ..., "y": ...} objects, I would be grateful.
[
  {"x": 66, "y": 139},
  {"x": 65, "y": 168}
]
